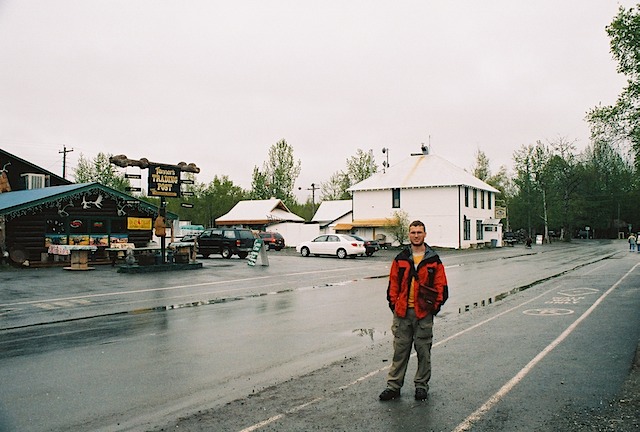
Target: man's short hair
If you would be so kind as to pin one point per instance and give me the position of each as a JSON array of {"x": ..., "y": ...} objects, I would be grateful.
[{"x": 418, "y": 223}]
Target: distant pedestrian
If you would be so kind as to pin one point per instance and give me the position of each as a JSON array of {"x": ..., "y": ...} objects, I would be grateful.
[
  {"x": 528, "y": 242},
  {"x": 417, "y": 290},
  {"x": 632, "y": 242}
]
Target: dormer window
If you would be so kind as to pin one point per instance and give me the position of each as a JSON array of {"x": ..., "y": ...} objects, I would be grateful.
[{"x": 34, "y": 181}]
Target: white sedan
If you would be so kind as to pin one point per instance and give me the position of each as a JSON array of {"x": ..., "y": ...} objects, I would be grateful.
[{"x": 340, "y": 245}]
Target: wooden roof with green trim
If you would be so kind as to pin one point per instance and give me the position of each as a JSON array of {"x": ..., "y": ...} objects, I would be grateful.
[{"x": 17, "y": 203}]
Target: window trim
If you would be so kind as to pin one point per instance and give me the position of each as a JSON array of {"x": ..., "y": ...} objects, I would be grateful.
[{"x": 395, "y": 198}]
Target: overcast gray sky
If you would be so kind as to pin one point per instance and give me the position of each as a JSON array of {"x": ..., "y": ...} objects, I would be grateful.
[{"x": 218, "y": 82}]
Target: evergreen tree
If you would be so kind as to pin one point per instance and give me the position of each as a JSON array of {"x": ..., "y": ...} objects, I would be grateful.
[{"x": 100, "y": 170}]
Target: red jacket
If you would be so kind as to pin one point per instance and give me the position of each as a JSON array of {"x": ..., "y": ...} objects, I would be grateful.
[{"x": 430, "y": 273}]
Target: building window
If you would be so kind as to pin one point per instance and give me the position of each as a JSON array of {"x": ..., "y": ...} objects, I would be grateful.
[
  {"x": 489, "y": 200},
  {"x": 396, "y": 198},
  {"x": 467, "y": 228},
  {"x": 466, "y": 197},
  {"x": 479, "y": 232},
  {"x": 482, "y": 199},
  {"x": 475, "y": 198}
]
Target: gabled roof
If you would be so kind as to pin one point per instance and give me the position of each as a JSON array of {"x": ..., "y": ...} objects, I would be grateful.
[
  {"x": 424, "y": 171},
  {"x": 258, "y": 212},
  {"x": 6, "y": 155},
  {"x": 330, "y": 211},
  {"x": 18, "y": 203}
]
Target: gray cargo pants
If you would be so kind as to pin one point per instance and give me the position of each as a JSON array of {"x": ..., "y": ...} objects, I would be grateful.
[{"x": 410, "y": 332}]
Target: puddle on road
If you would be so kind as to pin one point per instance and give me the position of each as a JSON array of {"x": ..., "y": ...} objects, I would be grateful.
[{"x": 368, "y": 332}]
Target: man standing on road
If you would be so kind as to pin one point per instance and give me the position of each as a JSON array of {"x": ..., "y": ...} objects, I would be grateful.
[{"x": 417, "y": 290}]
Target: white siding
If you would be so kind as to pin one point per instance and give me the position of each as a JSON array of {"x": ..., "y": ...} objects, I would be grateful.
[
  {"x": 295, "y": 233},
  {"x": 442, "y": 209},
  {"x": 372, "y": 205}
]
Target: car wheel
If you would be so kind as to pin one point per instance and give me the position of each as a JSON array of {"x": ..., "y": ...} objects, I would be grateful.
[
  {"x": 342, "y": 254},
  {"x": 226, "y": 253},
  {"x": 304, "y": 251},
  {"x": 369, "y": 253},
  {"x": 242, "y": 255}
]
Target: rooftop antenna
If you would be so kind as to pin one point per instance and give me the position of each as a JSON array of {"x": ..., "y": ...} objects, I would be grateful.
[
  {"x": 424, "y": 149},
  {"x": 385, "y": 164}
]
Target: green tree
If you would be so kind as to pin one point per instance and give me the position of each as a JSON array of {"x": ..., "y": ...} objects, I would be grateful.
[
  {"x": 100, "y": 170},
  {"x": 608, "y": 195},
  {"x": 305, "y": 210},
  {"x": 220, "y": 196},
  {"x": 482, "y": 171},
  {"x": 565, "y": 174},
  {"x": 335, "y": 188},
  {"x": 398, "y": 226},
  {"x": 278, "y": 175},
  {"x": 481, "y": 168},
  {"x": 260, "y": 185},
  {"x": 359, "y": 167},
  {"x": 619, "y": 124},
  {"x": 210, "y": 201},
  {"x": 525, "y": 203}
]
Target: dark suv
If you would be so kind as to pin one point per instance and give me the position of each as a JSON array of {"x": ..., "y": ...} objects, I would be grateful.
[
  {"x": 226, "y": 241},
  {"x": 272, "y": 240}
]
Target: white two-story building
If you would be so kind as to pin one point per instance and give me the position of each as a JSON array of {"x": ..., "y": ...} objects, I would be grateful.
[{"x": 457, "y": 208}]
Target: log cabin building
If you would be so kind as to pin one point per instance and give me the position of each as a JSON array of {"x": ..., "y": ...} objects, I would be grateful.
[{"x": 39, "y": 209}]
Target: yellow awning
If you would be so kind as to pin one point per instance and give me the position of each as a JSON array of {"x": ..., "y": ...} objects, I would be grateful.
[
  {"x": 370, "y": 223},
  {"x": 342, "y": 227}
]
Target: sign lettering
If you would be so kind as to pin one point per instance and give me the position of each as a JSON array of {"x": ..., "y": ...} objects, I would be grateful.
[{"x": 164, "y": 181}]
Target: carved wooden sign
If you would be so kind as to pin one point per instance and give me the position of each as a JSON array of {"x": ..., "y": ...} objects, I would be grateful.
[{"x": 164, "y": 181}]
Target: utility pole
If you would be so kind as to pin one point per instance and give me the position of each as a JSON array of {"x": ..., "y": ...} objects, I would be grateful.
[
  {"x": 313, "y": 189},
  {"x": 64, "y": 160}
]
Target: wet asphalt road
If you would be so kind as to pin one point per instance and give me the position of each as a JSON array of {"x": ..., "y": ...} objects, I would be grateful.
[{"x": 153, "y": 356}]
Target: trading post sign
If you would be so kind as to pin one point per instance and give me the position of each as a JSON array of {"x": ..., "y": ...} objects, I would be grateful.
[{"x": 164, "y": 181}]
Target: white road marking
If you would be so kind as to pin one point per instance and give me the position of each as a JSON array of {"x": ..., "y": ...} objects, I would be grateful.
[
  {"x": 548, "y": 312},
  {"x": 170, "y": 288},
  {"x": 578, "y": 292},
  {"x": 376, "y": 372},
  {"x": 466, "y": 424},
  {"x": 500, "y": 394}
]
